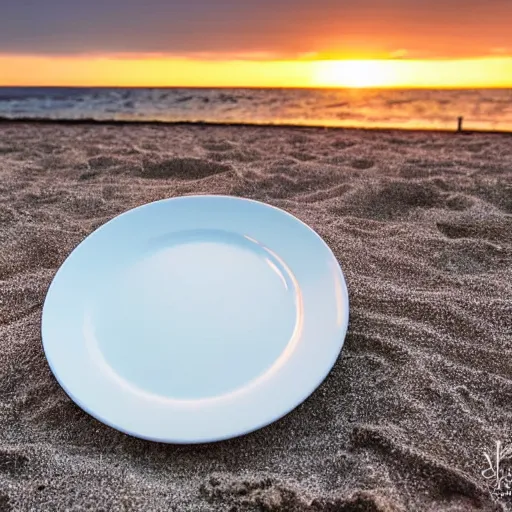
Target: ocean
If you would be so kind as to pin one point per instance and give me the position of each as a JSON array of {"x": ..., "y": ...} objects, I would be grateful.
[{"x": 482, "y": 109}]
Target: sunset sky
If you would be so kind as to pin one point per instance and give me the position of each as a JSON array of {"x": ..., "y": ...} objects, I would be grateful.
[{"x": 351, "y": 43}]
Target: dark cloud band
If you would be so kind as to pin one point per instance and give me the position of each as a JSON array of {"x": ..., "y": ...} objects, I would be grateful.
[{"x": 281, "y": 27}]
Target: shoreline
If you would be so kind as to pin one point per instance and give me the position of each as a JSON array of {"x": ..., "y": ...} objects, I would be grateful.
[{"x": 206, "y": 124}]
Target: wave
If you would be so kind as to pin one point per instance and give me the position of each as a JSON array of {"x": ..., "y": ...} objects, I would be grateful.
[{"x": 482, "y": 110}]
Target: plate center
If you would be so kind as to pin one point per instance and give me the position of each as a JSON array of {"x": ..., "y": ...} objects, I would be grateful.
[{"x": 196, "y": 314}]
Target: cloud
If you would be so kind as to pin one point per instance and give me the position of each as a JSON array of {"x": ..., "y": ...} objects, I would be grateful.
[
  {"x": 501, "y": 50},
  {"x": 257, "y": 29},
  {"x": 398, "y": 54}
]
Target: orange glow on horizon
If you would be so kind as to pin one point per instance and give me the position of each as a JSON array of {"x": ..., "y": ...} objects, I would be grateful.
[
  {"x": 464, "y": 73},
  {"x": 155, "y": 71}
]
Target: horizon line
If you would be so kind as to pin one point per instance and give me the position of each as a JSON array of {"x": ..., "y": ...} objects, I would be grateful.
[{"x": 296, "y": 87}]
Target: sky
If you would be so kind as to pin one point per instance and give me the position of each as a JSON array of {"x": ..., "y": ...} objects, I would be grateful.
[{"x": 256, "y": 42}]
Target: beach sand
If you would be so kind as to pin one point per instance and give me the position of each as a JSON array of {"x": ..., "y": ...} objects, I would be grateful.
[{"x": 421, "y": 224}]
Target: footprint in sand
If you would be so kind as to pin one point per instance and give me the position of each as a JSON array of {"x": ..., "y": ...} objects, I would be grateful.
[
  {"x": 244, "y": 156},
  {"x": 459, "y": 202},
  {"x": 389, "y": 201},
  {"x": 362, "y": 164},
  {"x": 12, "y": 463},
  {"x": 182, "y": 168},
  {"x": 477, "y": 147},
  {"x": 497, "y": 193},
  {"x": 220, "y": 146},
  {"x": 303, "y": 156},
  {"x": 101, "y": 163},
  {"x": 343, "y": 144},
  {"x": 498, "y": 230},
  {"x": 471, "y": 256}
]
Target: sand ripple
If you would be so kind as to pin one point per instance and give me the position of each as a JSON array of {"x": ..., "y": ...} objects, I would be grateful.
[{"x": 421, "y": 224}]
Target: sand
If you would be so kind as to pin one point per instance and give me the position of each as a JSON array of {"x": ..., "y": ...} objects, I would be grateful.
[{"x": 421, "y": 224}]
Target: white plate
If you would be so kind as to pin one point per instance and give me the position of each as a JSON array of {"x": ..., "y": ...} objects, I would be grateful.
[{"x": 195, "y": 319}]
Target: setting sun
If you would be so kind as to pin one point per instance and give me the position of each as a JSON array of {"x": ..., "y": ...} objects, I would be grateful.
[
  {"x": 354, "y": 73},
  {"x": 445, "y": 73}
]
